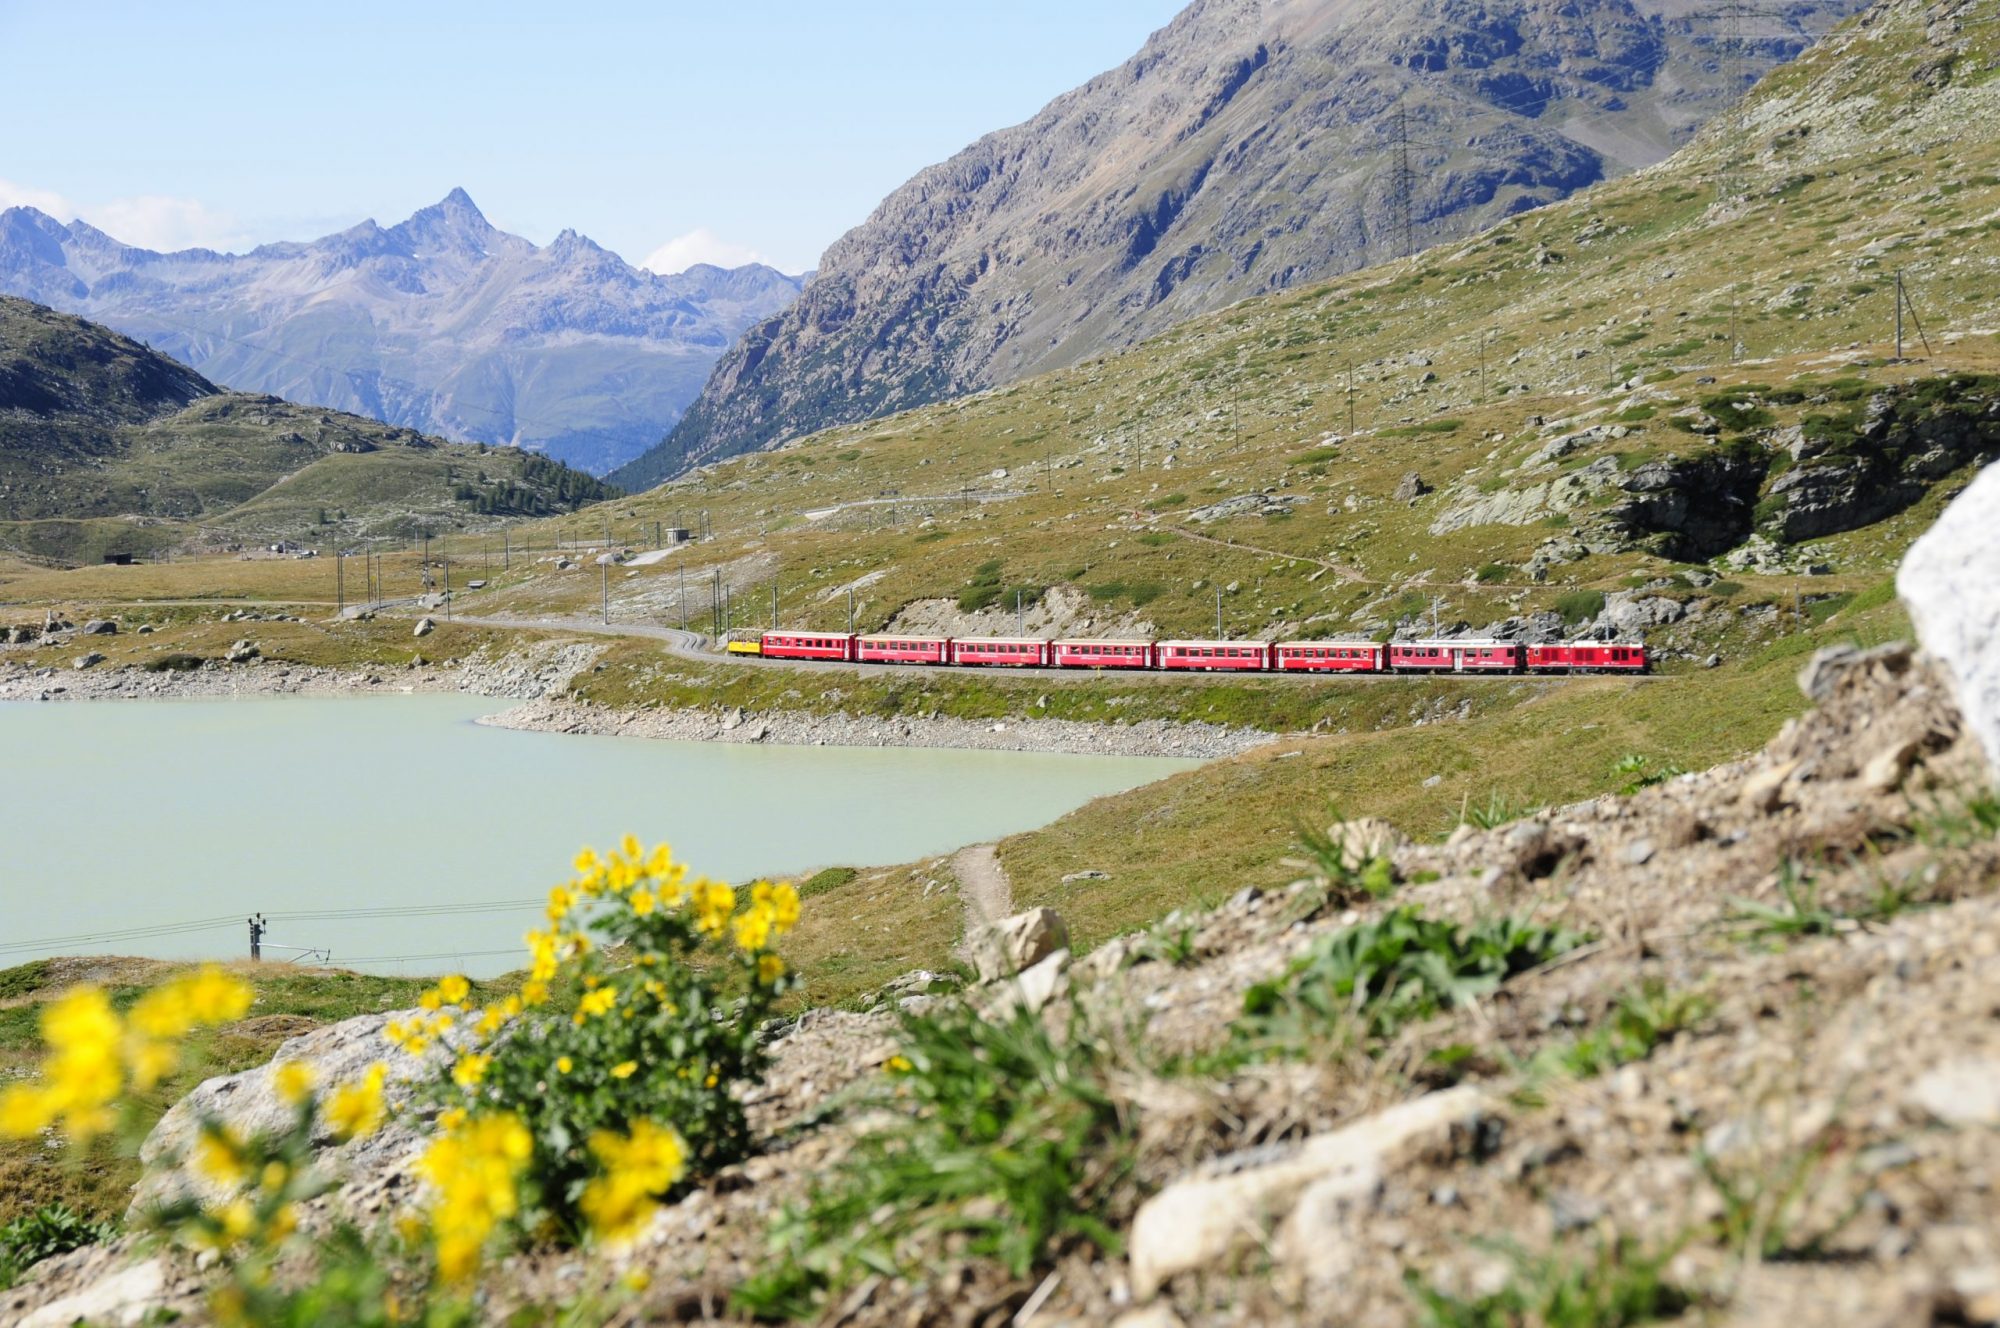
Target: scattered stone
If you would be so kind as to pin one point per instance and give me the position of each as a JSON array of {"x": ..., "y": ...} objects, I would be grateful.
[
  {"x": 1088, "y": 874},
  {"x": 1964, "y": 1092},
  {"x": 1411, "y": 488},
  {"x": 128, "y": 1296},
  {"x": 1885, "y": 770},
  {"x": 1765, "y": 791},
  {"x": 100, "y": 627},
  {"x": 1016, "y": 944},
  {"x": 1637, "y": 853},
  {"x": 86, "y": 661},
  {"x": 1195, "y": 1222},
  {"x": 425, "y": 626},
  {"x": 242, "y": 652}
]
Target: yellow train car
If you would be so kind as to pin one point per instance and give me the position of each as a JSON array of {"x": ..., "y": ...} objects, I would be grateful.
[{"x": 753, "y": 646}]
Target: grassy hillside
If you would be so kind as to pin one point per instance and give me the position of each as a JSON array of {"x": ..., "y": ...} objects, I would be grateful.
[{"x": 106, "y": 446}]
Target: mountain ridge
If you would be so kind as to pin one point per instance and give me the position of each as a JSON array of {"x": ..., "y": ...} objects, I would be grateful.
[
  {"x": 1250, "y": 146},
  {"x": 441, "y": 322}
]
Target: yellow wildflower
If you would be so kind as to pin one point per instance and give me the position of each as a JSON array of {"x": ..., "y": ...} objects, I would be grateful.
[
  {"x": 595, "y": 1003},
  {"x": 631, "y": 848},
  {"x": 769, "y": 968},
  {"x": 561, "y": 900},
  {"x": 214, "y": 997},
  {"x": 637, "y": 1279},
  {"x": 454, "y": 989},
  {"x": 564, "y": 1065},
  {"x": 643, "y": 902},
  {"x": 219, "y": 1155},
  {"x": 624, "y": 1069},
  {"x": 234, "y": 1221},
  {"x": 632, "y": 1171},
  {"x": 475, "y": 1170},
  {"x": 898, "y": 1065},
  {"x": 471, "y": 1068},
  {"x": 714, "y": 901},
  {"x": 534, "y": 992},
  {"x": 274, "y": 1176},
  {"x": 432, "y": 999},
  {"x": 150, "y": 1061},
  {"x": 356, "y": 1109},
  {"x": 293, "y": 1080},
  {"x": 753, "y": 927},
  {"x": 25, "y": 1109}
]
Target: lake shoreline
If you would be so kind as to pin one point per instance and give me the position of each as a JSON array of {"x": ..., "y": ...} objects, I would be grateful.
[{"x": 538, "y": 678}]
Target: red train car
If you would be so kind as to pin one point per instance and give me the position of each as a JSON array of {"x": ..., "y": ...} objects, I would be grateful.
[
  {"x": 1587, "y": 657},
  {"x": 1457, "y": 656},
  {"x": 1003, "y": 652},
  {"x": 809, "y": 645},
  {"x": 1102, "y": 655},
  {"x": 1213, "y": 655},
  {"x": 902, "y": 649},
  {"x": 1327, "y": 657}
]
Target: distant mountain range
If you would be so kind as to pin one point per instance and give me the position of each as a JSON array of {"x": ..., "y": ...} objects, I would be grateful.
[
  {"x": 441, "y": 323},
  {"x": 107, "y": 446},
  {"x": 1250, "y": 146}
]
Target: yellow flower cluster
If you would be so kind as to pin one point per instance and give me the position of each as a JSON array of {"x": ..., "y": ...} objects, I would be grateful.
[
  {"x": 356, "y": 1110},
  {"x": 475, "y": 1168},
  {"x": 93, "y": 1054},
  {"x": 633, "y": 1171},
  {"x": 773, "y": 911}
]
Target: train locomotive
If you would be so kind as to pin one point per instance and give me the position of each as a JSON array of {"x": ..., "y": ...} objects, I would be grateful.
[{"x": 1461, "y": 655}]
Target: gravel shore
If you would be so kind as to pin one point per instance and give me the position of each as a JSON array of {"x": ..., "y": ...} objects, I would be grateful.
[{"x": 1203, "y": 742}]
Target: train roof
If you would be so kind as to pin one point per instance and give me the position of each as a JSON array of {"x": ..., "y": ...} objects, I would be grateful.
[
  {"x": 891, "y": 636},
  {"x": 800, "y": 631},
  {"x": 1354, "y": 643},
  {"x": 1102, "y": 641},
  {"x": 1445, "y": 643},
  {"x": 999, "y": 640},
  {"x": 1240, "y": 641}
]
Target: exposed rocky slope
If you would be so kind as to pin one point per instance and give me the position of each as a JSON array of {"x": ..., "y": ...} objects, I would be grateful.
[
  {"x": 94, "y": 425},
  {"x": 441, "y": 323},
  {"x": 1250, "y": 146}
]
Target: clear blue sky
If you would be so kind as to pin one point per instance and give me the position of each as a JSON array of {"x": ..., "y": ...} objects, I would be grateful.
[{"x": 760, "y": 126}]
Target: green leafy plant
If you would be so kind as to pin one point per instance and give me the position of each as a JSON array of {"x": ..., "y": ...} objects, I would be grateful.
[
  {"x": 1496, "y": 811},
  {"x": 1380, "y": 975},
  {"x": 1171, "y": 943},
  {"x": 1783, "y": 1205},
  {"x": 48, "y": 1231},
  {"x": 1642, "y": 772},
  {"x": 1000, "y": 1139},
  {"x": 1338, "y": 872},
  {"x": 1576, "y": 606},
  {"x": 1618, "y": 1285}
]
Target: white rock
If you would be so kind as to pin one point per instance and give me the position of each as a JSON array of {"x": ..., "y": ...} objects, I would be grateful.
[
  {"x": 1949, "y": 582},
  {"x": 424, "y": 627},
  {"x": 1016, "y": 944},
  {"x": 1962, "y": 1092},
  {"x": 1197, "y": 1221},
  {"x": 125, "y": 1297}
]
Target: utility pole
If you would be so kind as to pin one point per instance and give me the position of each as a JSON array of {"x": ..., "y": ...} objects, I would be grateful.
[
  {"x": 1405, "y": 179},
  {"x": 257, "y": 930},
  {"x": 681, "y": 597},
  {"x": 850, "y": 611},
  {"x": 1218, "y": 613},
  {"x": 774, "y": 603},
  {"x": 506, "y": 549},
  {"x": 606, "y": 565},
  {"x": 340, "y": 581},
  {"x": 1019, "y": 620},
  {"x": 1899, "y": 313},
  {"x": 715, "y": 602},
  {"x": 1435, "y": 601}
]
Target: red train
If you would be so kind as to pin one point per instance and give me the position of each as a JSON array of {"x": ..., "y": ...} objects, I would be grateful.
[{"x": 1463, "y": 655}]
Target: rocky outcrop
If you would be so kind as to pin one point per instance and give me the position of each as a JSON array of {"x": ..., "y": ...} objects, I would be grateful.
[
  {"x": 1951, "y": 581},
  {"x": 1692, "y": 508},
  {"x": 1246, "y": 148},
  {"x": 1854, "y": 470},
  {"x": 1017, "y": 944}
]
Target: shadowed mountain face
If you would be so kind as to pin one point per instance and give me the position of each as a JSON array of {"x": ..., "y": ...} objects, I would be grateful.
[
  {"x": 441, "y": 323},
  {"x": 1250, "y": 146}
]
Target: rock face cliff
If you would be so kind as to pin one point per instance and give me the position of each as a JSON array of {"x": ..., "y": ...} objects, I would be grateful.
[
  {"x": 442, "y": 323},
  {"x": 1250, "y": 146}
]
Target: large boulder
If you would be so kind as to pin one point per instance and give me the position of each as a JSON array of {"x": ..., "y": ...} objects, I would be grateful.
[
  {"x": 250, "y": 1104},
  {"x": 1951, "y": 582},
  {"x": 1016, "y": 944}
]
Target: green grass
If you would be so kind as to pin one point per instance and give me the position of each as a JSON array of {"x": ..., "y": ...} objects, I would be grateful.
[
  {"x": 45, "y": 1232},
  {"x": 1619, "y": 1284}
]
